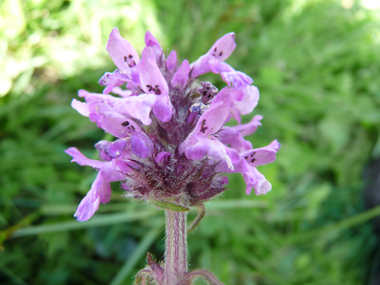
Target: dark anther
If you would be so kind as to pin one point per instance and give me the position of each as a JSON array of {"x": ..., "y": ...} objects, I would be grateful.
[
  {"x": 245, "y": 157},
  {"x": 129, "y": 60},
  {"x": 253, "y": 153},
  {"x": 221, "y": 53},
  {"x": 253, "y": 160},
  {"x": 203, "y": 128},
  {"x": 133, "y": 128},
  {"x": 150, "y": 88},
  {"x": 208, "y": 91},
  {"x": 215, "y": 49},
  {"x": 157, "y": 91},
  {"x": 124, "y": 124}
]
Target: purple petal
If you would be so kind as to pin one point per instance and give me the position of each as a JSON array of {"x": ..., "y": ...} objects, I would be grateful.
[
  {"x": 121, "y": 92},
  {"x": 141, "y": 145},
  {"x": 111, "y": 149},
  {"x": 100, "y": 98},
  {"x": 163, "y": 108},
  {"x": 154, "y": 83},
  {"x": 263, "y": 187},
  {"x": 134, "y": 87},
  {"x": 137, "y": 107},
  {"x": 122, "y": 52},
  {"x": 223, "y": 47},
  {"x": 195, "y": 147},
  {"x": 215, "y": 116},
  {"x": 102, "y": 154},
  {"x": 250, "y": 128},
  {"x": 108, "y": 168},
  {"x": 171, "y": 61},
  {"x": 105, "y": 192},
  {"x": 261, "y": 156},
  {"x": 232, "y": 77},
  {"x": 247, "y": 166},
  {"x": 201, "y": 66},
  {"x": 232, "y": 137},
  {"x": 243, "y": 101},
  {"x": 106, "y": 111},
  {"x": 111, "y": 80},
  {"x": 182, "y": 74},
  {"x": 208, "y": 92},
  {"x": 151, "y": 41},
  {"x": 215, "y": 65},
  {"x": 211, "y": 61},
  {"x": 219, "y": 151},
  {"x": 100, "y": 192},
  {"x": 122, "y": 164},
  {"x": 81, "y": 107},
  {"x": 252, "y": 177},
  {"x": 236, "y": 79},
  {"x": 152, "y": 80},
  {"x": 162, "y": 157},
  {"x": 79, "y": 158},
  {"x": 213, "y": 149},
  {"x": 86, "y": 209},
  {"x": 200, "y": 142},
  {"x": 111, "y": 121},
  {"x": 255, "y": 179}
]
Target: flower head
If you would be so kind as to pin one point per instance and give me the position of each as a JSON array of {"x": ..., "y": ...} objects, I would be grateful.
[{"x": 172, "y": 144}]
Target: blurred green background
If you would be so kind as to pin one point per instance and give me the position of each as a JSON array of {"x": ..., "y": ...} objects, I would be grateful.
[{"x": 317, "y": 65}]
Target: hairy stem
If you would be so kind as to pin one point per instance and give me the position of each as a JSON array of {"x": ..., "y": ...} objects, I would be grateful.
[{"x": 176, "y": 247}]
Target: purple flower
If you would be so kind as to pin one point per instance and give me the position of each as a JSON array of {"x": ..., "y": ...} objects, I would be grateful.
[
  {"x": 202, "y": 141},
  {"x": 125, "y": 58},
  {"x": 108, "y": 171},
  {"x": 172, "y": 144},
  {"x": 214, "y": 59},
  {"x": 249, "y": 160}
]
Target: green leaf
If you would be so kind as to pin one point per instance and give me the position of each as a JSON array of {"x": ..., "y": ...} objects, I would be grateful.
[{"x": 169, "y": 206}]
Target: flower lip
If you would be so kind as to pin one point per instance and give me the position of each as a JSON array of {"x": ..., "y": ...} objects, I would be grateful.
[
  {"x": 152, "y": 80},
  {"x": 223, "y": 47},
  {"x": 122, "y": 52}
]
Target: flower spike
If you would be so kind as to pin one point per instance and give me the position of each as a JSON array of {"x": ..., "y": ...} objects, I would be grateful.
[
  {"x": 172, "y": 139},
  {"x": 172, "y": 144}
]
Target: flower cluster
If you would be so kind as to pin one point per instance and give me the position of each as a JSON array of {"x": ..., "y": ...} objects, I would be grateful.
[{"x": 172, "y": 144}]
